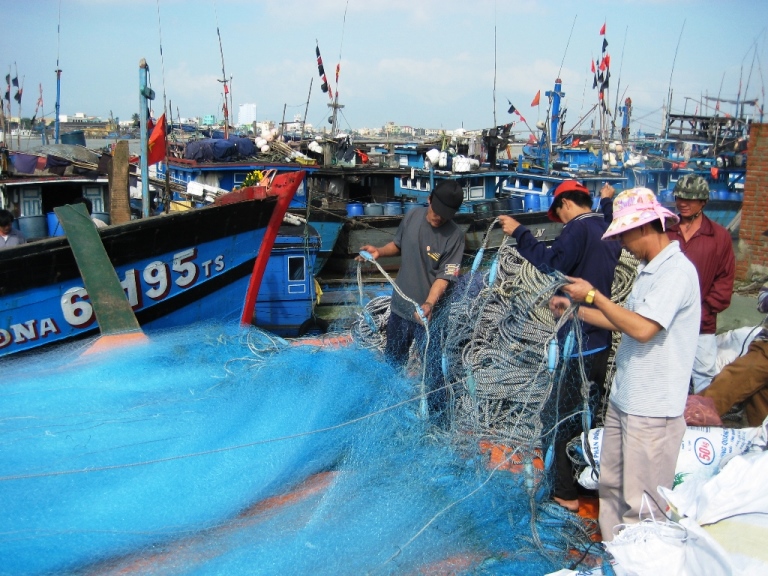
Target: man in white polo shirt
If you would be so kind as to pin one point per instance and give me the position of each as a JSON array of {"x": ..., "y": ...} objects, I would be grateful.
[{"x": 644, "y": 424}]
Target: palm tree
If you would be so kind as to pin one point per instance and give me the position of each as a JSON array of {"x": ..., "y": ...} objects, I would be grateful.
[{"x": 136, "y": 119}]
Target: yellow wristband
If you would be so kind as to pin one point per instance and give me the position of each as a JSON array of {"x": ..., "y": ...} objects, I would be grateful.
[{"x": 590, "y": 298}]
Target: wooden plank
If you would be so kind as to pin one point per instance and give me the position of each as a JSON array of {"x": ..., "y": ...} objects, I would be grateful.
[{"x": 113, "y": 312}]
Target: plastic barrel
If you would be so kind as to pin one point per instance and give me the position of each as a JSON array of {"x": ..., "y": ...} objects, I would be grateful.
[
  {"x": 393, "y": 208},
  {"x": 483, "y": 209},
  {"x": 509, "y": 204},
  {"x": 74, "y": 137},
  {"x": 54, "y": 227},
  {"x": 531, "y": 202},
  {"x": 354, "y": 209},
  {"x": 374, "y": 209},
  {"x": 33, "y": 226},
  {"x": 408, "y": 206},
  {"x": 103, "y": 216}
]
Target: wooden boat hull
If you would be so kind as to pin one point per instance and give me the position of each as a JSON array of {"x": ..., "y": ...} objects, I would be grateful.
[{"x": 176, "y": 269}]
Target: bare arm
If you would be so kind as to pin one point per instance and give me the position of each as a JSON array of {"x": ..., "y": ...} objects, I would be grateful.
[{"x": 611, "y": 316}]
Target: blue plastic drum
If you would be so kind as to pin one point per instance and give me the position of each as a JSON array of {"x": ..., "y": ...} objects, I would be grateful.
[{"x": 354, "y": 209}]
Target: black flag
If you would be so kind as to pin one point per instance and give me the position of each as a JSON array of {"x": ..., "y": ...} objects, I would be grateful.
[
  {"x": 321, "y": 70},
  {"x": 18, "y": 96},
  {"x": 15, "y": 82},
  {"x": 511, "y": 108}
]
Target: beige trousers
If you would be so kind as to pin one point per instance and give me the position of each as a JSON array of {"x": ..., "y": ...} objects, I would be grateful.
[{"x": 638, "y": 454}]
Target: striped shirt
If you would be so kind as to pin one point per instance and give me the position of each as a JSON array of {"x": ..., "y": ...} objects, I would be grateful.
[{"x": 652, "y": 378}]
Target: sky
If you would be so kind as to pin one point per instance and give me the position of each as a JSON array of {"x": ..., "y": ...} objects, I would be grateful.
[{"x": 442, "y": 64}]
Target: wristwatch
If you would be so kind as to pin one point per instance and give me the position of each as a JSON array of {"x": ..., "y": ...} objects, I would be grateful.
[{"x": 590, "y": 296}]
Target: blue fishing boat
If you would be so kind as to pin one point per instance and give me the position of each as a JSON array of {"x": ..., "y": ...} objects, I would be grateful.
[
  {"x": 175, "y": 268},
  {"x": 222, "y": 165}
]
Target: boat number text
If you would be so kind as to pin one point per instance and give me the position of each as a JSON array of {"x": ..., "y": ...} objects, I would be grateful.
[{"x": 157, "y": 277}]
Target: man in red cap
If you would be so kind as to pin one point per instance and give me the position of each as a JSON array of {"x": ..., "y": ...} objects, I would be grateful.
[{"x": 580, "y": 252}]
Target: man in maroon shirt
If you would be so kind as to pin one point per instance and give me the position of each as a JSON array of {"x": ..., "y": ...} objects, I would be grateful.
[{"x": 709, "y": 246}]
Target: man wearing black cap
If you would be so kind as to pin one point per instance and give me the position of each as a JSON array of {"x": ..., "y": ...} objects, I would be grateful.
[{"x": 431, "y": 246}]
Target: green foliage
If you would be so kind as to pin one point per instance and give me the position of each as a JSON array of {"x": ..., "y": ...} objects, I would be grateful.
[{"x": 253, "y": 178}]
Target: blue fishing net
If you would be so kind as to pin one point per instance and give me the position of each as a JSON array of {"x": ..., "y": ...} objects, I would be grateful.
[{"x": 221, "y": 450}]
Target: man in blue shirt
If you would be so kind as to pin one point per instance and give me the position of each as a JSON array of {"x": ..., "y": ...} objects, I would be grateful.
[{"x": 579, "y": 251}]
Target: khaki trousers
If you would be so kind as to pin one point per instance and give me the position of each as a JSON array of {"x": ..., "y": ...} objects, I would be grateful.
[{"x": 638, "y": 454}]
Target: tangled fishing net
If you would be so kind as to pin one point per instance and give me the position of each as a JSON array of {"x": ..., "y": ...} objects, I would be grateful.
[{"x": 218, "y": 450}]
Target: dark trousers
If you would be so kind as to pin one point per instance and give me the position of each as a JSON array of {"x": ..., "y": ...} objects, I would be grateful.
[
  {"x": 401, "y": 333},
  {"x": 569, "y": 403}
]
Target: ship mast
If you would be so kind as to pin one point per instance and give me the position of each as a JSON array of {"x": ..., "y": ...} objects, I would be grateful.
[
  {"x": 334, "y": 116},
  {"x": 225, "y": 81}
]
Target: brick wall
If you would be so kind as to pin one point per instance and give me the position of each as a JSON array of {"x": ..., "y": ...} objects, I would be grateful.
[{"x": 752, "y": 254}]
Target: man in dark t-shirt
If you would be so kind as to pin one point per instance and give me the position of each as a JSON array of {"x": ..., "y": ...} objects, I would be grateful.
[{"x": 431, "y": 246}]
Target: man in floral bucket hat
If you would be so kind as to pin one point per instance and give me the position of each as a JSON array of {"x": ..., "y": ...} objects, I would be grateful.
[{"x": 644, "y": 424}]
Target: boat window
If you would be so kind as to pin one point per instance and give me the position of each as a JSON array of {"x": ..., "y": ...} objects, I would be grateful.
[
  {"x": 475, "y": 193},
  {"x": 31, "y": 201},
  {"x": 296, "y": 268},
  {"x": 239, "y": 177},
  {"x": 95, "y": 195}
]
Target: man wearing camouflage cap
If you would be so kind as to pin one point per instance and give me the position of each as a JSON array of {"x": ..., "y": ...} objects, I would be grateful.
[{"x": 709, "y": 247}]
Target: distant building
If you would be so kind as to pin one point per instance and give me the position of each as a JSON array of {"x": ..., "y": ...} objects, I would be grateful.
[
  {"x": 368, "y": 132},
  {"x": 246, "y": 115},
  {"x": 263, "y": 127},
  {"x": 78, "y": 117}
]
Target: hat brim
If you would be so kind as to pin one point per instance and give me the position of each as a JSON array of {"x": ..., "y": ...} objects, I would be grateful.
[
  {"x": 441, "y": 209},
  {"x": 635, "y": 220},
  {"x": 552, "y": 215}
]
